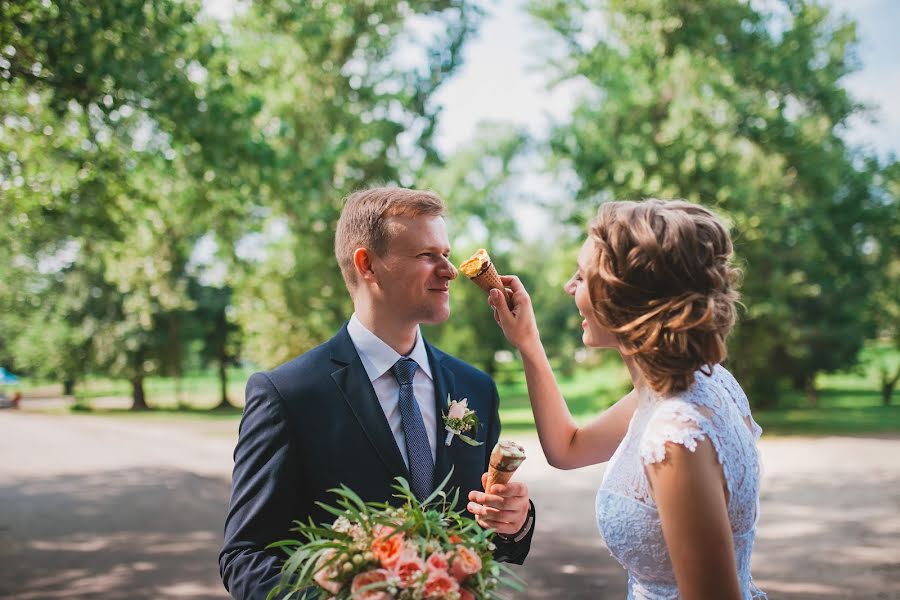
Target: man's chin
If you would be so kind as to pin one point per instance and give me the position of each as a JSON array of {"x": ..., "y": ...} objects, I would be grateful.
[{"x": 435, "y": 316}]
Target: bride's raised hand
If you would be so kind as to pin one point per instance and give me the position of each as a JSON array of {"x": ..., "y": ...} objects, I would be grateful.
[{"x": 518, "y": 323}]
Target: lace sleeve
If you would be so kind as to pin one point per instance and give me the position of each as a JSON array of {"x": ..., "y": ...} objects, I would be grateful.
[
  {"x": 674, "y": 421},
  {"x": 727, "y": 381}
]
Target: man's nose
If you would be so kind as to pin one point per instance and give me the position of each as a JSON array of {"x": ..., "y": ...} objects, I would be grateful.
[{"x": 448, "y": 270}]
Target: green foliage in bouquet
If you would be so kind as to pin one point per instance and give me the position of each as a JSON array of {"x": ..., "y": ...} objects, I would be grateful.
[{"x": 376, "y": 551}]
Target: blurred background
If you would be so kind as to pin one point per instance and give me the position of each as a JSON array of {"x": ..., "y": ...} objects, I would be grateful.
[{"x": 171, "y": 174}]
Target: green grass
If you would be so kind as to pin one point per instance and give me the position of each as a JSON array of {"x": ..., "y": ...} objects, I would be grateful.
[
  {"x": 587, "y": 393},
  {"x": 195, "y": 392},
  {"x": 849, "y": 402}
]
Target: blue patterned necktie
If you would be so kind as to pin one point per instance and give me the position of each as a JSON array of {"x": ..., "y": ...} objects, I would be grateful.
[{"x": 418, "y": 449}]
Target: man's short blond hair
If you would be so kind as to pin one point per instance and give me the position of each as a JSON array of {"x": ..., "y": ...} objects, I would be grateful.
[{"x": 364, "y": 221}]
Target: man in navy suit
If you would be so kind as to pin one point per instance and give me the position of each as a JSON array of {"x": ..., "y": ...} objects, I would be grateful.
[{"x": 367, "y": 405}]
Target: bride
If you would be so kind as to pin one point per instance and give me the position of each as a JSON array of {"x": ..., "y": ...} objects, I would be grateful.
[{"x": 679, "y": 502}]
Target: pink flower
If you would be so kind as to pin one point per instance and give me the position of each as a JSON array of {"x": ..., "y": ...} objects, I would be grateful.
[
  {"x": 465, "y": 594},
  {"x": 409, "y": 568},
  {"x": 387, "y": 546},
  {"x": 438, "y": 561},
  {"x": 368, "y": 578},
  {"x": 458, "y": 408},
  {"x": 325, "y": 574},
  {"x": 465, "y": 563},
  {"x": 439, "y": 585}
]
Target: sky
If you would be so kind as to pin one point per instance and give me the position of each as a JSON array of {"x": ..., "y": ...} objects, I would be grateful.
[{"x": 502, "y": 77}]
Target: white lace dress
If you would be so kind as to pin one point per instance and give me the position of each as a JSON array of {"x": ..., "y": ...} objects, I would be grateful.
[{"x": 715, "y": 408}]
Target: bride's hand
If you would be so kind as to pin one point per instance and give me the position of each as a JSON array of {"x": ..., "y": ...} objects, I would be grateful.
[{"x": 518, "y": 323}]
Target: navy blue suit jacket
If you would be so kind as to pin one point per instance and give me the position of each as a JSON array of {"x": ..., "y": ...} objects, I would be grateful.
[{"x": 315, "y": 423}]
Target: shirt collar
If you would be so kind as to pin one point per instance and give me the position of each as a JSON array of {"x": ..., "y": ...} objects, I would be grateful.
[{"x": 377, "y": 357}]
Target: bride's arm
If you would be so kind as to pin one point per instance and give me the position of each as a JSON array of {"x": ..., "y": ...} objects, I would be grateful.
[
  {"x": 565, "y": 444},
  {"x": 689, "y": 491}
]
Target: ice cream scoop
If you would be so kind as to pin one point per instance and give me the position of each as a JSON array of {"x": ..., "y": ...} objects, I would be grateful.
[{"x": 481, "y": 270}]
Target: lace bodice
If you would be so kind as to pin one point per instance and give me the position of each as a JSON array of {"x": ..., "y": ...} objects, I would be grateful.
[{"x": 716, "y": 408}]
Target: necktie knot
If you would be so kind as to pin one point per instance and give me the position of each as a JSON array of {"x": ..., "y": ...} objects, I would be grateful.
[{"x": 404, "y": 370}]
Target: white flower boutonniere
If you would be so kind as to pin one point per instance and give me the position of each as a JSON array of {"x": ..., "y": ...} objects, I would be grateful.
[{"x": 460, "y": 419}]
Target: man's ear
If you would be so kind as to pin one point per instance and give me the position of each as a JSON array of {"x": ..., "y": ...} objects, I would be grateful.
[{"x": 362, "y": 262}]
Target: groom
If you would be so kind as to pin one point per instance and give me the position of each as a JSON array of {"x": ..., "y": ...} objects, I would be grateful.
[{"x": 367, "y": 405}]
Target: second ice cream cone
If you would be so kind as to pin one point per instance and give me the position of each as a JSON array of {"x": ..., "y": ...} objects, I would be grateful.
[{"x": 506, "y": 457}]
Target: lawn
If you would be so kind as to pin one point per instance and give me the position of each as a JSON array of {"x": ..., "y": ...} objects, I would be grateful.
[{"x": 849, "y": 402}]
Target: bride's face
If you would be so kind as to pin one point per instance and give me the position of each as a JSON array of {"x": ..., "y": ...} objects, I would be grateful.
[{"x": 595, "y": 335}]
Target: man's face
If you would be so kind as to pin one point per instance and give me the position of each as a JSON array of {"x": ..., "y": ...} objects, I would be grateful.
[{"x": 414, "y": 274}]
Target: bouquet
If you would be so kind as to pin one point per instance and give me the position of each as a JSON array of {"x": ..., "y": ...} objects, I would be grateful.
[{"x": 375, "y": 551}]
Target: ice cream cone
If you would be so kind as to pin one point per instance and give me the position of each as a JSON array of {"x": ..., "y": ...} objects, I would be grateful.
[
  {"x": 506, "y": 457},
  {"x": 481, "y": 270}
]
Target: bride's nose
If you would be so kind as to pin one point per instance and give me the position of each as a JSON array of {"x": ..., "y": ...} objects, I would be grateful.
[{"x": 570, "y": 286}]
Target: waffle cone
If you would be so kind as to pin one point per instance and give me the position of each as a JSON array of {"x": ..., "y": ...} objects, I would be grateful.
[
  {"x": 495, "y": 476},
  {"x": 502, "y": 466},
  {"x": 488, "y": 279}
]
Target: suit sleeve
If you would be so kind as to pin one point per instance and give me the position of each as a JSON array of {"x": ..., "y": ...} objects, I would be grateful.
[
  {"x": 511, "y": 552},
  {"x": 264, "y": 485}
]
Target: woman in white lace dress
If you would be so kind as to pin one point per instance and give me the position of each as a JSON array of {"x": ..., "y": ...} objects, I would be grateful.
[{"x": 679, "y": 503}]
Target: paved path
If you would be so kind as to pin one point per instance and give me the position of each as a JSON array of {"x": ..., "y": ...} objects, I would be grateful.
[{"x": 94, "y": 507}]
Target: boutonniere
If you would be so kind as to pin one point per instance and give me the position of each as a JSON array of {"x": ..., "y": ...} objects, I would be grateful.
[{"x": 460, "y": 419}]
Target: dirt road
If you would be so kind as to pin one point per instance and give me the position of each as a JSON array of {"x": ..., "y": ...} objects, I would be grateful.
[{"x": 94, "y": 507}]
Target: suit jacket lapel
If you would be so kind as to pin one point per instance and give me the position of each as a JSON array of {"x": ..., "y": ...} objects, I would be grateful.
[
  {"x": 353, "y": 381},
  {"x": 443, "y": 386}
]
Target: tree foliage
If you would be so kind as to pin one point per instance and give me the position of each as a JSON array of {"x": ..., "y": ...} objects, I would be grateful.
[
  {"x": 139, "y": 135},
  {"x": 170, "y": 183},
  {"x": 741, "y": 110}
]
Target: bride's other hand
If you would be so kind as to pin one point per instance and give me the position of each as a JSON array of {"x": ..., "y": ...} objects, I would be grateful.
[{"x": 518, "y": 323}]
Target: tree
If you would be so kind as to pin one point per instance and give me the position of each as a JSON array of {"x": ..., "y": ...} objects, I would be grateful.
[
  {"x": 346, "y": 102},
  {"x": 475, "y": 183},
  {"x": 219, "y": 337},
  {"x": 138, "y": 130},
  {"x": 886, "y": 299},
  {"x": 742, "y": 110},
  {"x": 115, "y": 135}
]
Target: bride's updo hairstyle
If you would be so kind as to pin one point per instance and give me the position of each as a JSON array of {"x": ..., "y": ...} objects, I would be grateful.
[{"x": 663, "y": 284}]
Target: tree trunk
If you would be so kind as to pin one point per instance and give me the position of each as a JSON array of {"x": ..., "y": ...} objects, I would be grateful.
[
  {"x": 139, "y": 401},
  {"x": 491, "y": 366},
  {"x": 224, "y": 402},
  {"x": 812, "y": 394},
  {"x": 68, "y": 387},
  {"x": 175, "y": 357},
  {"x": 176, "y": 377},
  {"x": 888, "y": 383}
]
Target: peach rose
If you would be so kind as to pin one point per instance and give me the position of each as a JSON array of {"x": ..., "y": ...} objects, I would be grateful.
[
  {"x": 368, "y": 578},
  {"x": 439, "y": 585},
  {"x": 408, "y": 568},
  {"x": 325, "y": 574},
  {"x": 437, "y": 560},
  {"x": 387, "y": 546},
  {"x": 465, "y": 563}
]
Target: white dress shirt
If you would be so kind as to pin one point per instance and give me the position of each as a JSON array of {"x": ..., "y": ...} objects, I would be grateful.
[{"x": 378, "y": 358}]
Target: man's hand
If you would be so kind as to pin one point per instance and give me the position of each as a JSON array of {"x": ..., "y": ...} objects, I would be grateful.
[{"x": 504, "y": 508}]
